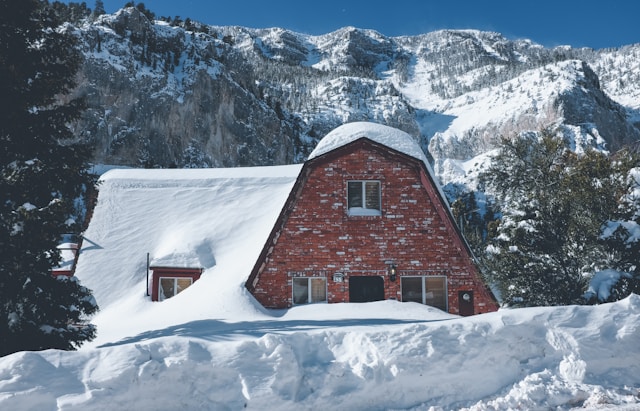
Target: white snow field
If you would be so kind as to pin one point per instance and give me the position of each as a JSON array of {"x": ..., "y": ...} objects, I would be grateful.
[
  {"x": 373, "y": 356},
  {"x": 213, "y": 347}
]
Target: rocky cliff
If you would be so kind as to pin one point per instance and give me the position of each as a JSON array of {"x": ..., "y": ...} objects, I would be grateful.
[{"x": 191, "y": 95}]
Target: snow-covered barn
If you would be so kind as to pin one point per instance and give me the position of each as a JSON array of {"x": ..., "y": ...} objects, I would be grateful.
[
  {"x": 366, "y": 221},
  {"x": 362, "y": 220}
]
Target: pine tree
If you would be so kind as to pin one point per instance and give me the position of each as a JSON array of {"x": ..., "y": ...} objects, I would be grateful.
[
  {"x": 42, "y": 172},
  {"x": 98, "y": 9},
  {"x": 553, "y": 203},
  {"x": 621, "y": 234},
  {"x": 468, "y": 215}
]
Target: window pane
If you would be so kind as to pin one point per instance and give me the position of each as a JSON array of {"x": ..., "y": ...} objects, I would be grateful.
[
  {"x": 166, "y": 288},
  {"x": 372, "y": 192},
  {"x": 300, "y": 290},
  {"x": 318, "y": 290},
  {"x": 169, "y": 286},
  {"x": 435, "y": 295},
  {"x": 412, "y": 289},
  {"x": 182, "y": 284},
  {"x": 354, "y": 194}
]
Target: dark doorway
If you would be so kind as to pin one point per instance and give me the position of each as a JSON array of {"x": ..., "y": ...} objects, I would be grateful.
[
  {"x": 465, "y": 303},
  {"x": 363, "y": 289}
]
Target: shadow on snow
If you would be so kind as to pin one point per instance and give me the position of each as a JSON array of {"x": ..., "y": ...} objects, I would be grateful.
[{"x": 216, "y": 330}]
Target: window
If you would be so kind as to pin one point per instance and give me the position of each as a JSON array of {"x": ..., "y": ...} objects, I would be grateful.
[
  {"x": 169, "y": 287},
  {"x": 309, "y": 290},
  {"x": 429, "y": 290},
  {"x": 365, "y": 288},
  {"x": 363, "y": 197}
]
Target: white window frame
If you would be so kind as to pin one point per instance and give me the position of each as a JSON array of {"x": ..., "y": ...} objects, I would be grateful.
[
  {"x": 425, "y": 291},
  {"x": 161, "y": 296},
  {"x": 364, "y": 211},
  {"x": 309, "y": 290}
]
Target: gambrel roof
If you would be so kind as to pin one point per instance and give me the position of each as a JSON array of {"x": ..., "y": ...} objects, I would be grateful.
[
  {"x": 385, "y": 135},
  {"x": 386, "y": 140},
  {"x": 390, "y": 137}
]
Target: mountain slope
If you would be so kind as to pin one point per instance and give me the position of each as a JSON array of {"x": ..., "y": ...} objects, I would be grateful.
[{"x": 197, "y": 96}]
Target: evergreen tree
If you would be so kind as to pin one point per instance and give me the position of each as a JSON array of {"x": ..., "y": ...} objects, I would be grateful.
[
  {"x": 72, "y": 12},
  {"x": 142, "y": 9},
  {"x": 98, "y": 9},
  {"x": 553, "y": 204},
  {"x": 621, "y": 234},
  {"x": 469, "y": 218},
  {"x": 42, "y": 172}
]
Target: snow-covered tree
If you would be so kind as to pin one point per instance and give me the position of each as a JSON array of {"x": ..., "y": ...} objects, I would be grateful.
[
  {"x": 42, "y": 172},
  {"x": 553, "y": 204},
  {"x": 621, "y": 235}
]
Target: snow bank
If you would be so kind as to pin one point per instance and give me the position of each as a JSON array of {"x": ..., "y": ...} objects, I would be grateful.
[{"x": 314, "y": 357}]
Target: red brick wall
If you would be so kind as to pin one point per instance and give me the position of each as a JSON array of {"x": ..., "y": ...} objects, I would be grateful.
[{"x": 319, "y": 238}]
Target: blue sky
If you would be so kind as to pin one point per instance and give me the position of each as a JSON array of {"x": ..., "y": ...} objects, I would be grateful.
[{"x": 586, "y": 23}]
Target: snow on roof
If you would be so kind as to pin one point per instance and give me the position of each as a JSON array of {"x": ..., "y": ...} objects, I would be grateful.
[
  {"x": 385, "y": 135},
  {"x": 172, "y": 258},
  {"x": 215, "y": 219},
  {"x": 388, "y": 136}
]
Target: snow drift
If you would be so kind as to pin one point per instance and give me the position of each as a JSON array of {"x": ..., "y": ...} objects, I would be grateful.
[{"x": 374, "y": 356}]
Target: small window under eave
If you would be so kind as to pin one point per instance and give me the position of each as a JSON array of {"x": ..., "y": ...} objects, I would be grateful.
[{"x": 167, "y": 282}]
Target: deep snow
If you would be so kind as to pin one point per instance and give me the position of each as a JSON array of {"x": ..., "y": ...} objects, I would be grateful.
[
  {"x": 213, "y": 347},
  {"x": 375, "y": 356}
]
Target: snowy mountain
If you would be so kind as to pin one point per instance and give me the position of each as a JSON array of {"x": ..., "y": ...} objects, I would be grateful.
[{"x": 192, "y": 95}]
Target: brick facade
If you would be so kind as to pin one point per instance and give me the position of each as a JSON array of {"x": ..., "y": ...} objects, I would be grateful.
[{"x": 316, "y": 237}]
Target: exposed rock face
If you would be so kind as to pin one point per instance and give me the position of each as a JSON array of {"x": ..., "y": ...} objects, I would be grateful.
[
  {"x": 199, "y": 96},
  {"x": 196, "y": 115},
  {"x": 565, "y": 95},
  {"x": 588, "y": 107}
]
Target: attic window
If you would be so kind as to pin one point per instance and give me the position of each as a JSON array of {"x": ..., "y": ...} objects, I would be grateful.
[
  {"x": 363, "y": 198},
  {"x": 167, "y": 282},
  {"x": 170, "y": 286}
]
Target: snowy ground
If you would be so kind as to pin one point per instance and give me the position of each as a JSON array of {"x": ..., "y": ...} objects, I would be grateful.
[
  {"x": 375, "y": 356},
  {"x": 213, "y": 347}
]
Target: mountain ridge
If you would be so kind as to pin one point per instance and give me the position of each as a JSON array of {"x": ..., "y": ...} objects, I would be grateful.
[{"x": 193, "y": 95}]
